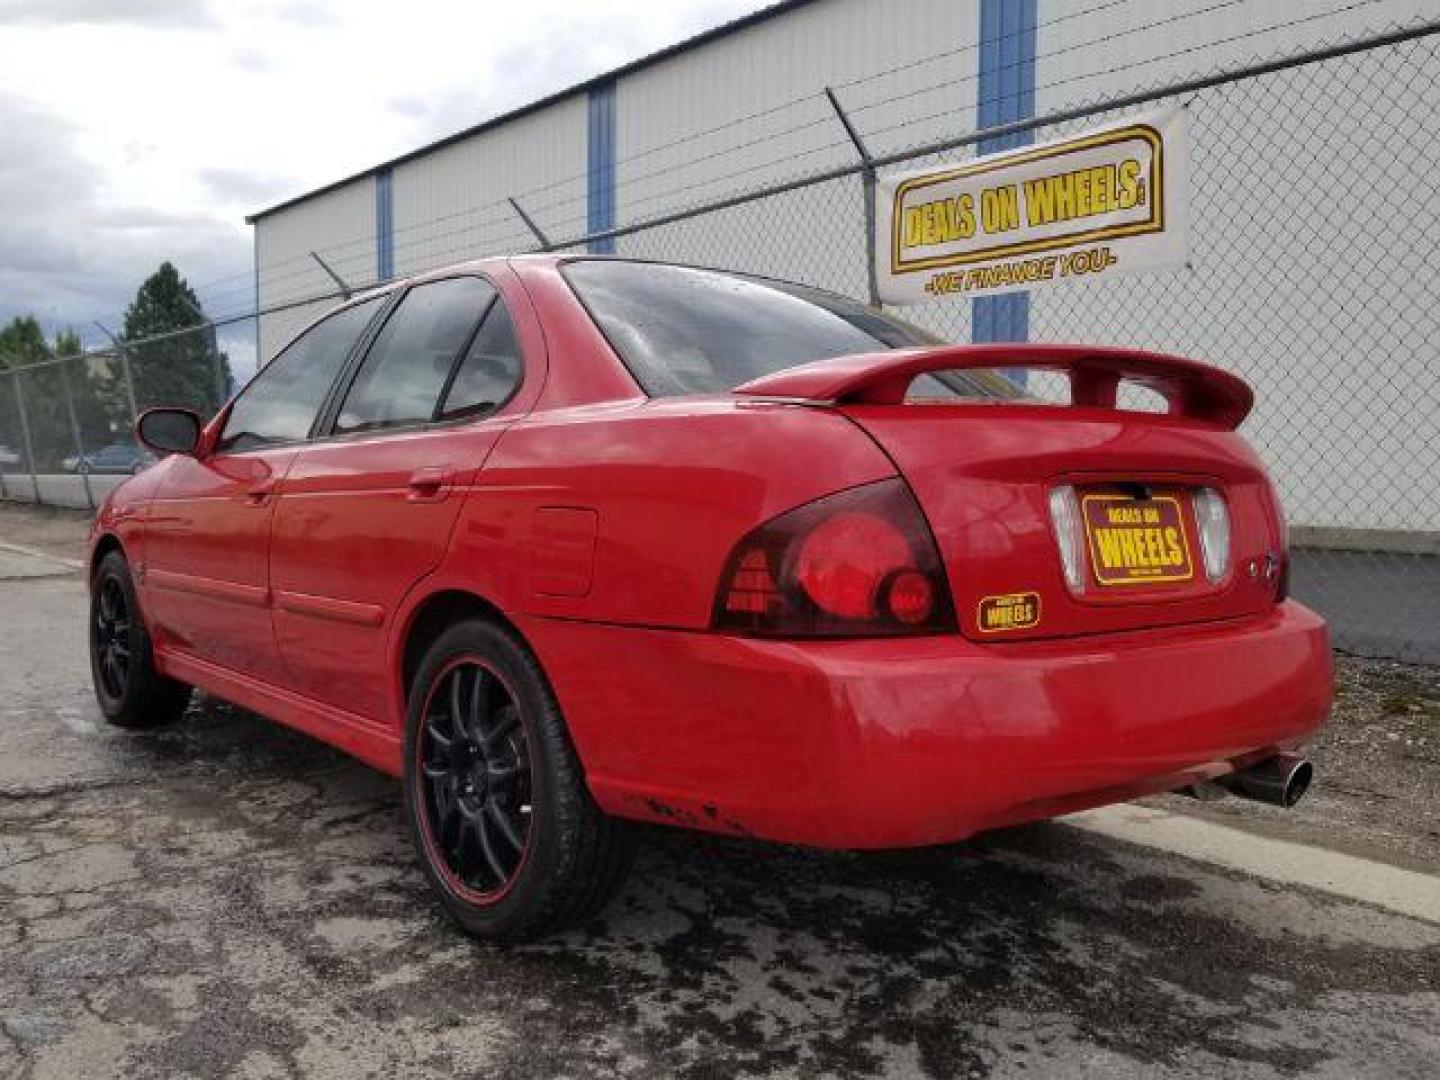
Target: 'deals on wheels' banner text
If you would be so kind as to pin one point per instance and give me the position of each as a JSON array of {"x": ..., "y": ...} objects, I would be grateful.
[{"x": 1105, "y": 202}]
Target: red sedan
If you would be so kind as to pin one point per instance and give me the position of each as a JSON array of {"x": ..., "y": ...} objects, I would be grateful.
[{"x": 570, "y": 542}]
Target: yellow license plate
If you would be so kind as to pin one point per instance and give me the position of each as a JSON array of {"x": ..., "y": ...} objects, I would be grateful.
[{"x": 1137, "y": 541}]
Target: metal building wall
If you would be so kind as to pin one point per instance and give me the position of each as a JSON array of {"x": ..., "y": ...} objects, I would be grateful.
[
  {"x": 749, "y": 109},
  {"x": 735, "y": 113},
  {"x": 451, "y": 204},
  {"x": 340, "y": 225}
]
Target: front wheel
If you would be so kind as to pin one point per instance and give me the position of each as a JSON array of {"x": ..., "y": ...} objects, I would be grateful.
[
  {"x": 131, "y": 693},
  {"x": 501, "y": 819}
]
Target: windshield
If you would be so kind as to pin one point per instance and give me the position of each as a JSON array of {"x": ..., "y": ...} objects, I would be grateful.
[{"x": 682, "y": 330}]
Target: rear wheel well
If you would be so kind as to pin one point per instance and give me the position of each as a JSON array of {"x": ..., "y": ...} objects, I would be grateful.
[
  {"x": 437, "y": 615},
  {"x": 104, "y": 546}
]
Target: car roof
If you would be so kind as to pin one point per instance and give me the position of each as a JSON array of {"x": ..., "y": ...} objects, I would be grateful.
[
  {"x": 553, "y": 259},
  {"x": 482, "y": 265}
]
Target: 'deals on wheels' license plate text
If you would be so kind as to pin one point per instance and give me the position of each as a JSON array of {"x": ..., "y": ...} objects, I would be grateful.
[{"x": 1137, "y": 541}]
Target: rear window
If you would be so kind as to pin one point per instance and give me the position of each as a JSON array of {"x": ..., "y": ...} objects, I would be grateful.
[{"x": 682, "y": 330}]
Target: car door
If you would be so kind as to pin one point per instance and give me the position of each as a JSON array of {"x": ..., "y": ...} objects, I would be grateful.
[
  {"x": 368, "y": 511},
  {"x": 206, "y": 565}
]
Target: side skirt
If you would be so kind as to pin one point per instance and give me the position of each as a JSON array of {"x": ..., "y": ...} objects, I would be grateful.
[{"x": 355, "y": 735}]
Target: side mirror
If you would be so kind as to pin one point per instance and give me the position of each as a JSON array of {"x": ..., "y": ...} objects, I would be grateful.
[{"x": 169, "y": 431}]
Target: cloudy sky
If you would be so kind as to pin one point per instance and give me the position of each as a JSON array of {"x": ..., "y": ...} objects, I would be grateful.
[{"x": 133, "y": 131}]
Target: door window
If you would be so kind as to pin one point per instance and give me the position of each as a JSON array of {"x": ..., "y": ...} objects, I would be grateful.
[
  {"x": 490, "y": 372},
  {"x": 282, "y": 401},
  {"x": 407, "y": 367}
]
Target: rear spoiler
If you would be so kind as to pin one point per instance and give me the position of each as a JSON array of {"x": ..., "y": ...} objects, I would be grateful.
[{"x": 1192, "y": 389}]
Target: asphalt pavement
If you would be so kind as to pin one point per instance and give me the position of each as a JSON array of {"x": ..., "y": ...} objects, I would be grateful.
[{"x": 228, "y": 898}]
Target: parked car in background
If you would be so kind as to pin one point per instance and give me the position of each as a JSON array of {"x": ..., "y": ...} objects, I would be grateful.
[
  {"x": 569, "y": 542},
  {"x": 9, "y": 459},
  {"x": 117, "y": 457}
]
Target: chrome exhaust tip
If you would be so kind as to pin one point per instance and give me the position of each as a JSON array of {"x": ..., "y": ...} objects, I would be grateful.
[{"x": 1281, "y": 780}]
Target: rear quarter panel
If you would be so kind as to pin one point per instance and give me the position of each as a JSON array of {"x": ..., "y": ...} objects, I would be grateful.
[{"x": 639, "y": 505}]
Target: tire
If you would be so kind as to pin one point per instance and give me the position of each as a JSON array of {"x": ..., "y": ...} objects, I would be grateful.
[
  {"x": 558, "y": 862},
  {"x": 131, "y": 693}
]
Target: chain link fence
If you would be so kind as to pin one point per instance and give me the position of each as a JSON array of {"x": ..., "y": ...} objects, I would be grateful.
[
  {"x": 1315, "y": 210},
  {"x": 67, "y": 425}
]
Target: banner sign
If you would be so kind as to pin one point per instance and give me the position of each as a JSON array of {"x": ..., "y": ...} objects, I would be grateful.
[{"x": 1108, "y": 201}]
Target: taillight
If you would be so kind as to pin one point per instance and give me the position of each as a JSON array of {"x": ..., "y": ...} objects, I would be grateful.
[
  {"x": 1065, "y": 520},
  {"x": 1212, "y": 519},
  {"x": 861, "y": 563}
]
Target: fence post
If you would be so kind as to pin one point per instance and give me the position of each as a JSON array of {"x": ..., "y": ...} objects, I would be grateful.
[
  {"x": 211, "y": 339},
  {"x": 345, "y": 291},
  {"x": 867, "y": 187},
  {"x": 25, "y": 438},
  {"x": 222, "y": 388},
  {"x": 124, "y": 371},
  {"x": 129, "y": 384},
  {"x": 530, "y": 224},
  {"x": 4, "y": 485},
  {"x": 83, "y": 470}
]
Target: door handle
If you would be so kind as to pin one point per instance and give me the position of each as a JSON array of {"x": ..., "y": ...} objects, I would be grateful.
[
  {"x": 258, "y": 493},
  {"x": 429, "y": 484}
]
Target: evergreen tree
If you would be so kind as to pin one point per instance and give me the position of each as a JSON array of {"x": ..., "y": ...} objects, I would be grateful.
[
  {"x": 67, "y": 343},
  {"x": 22, "y": 343},
  {"x": 50, "y": 391},
  {"x": 185, "y": 369}
]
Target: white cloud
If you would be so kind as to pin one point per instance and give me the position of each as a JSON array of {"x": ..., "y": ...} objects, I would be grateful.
[
  {"x": 139, "y": 130},
  {"x": 133, "y": 12}
]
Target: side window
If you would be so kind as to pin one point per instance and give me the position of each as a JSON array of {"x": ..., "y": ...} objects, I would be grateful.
[
  {"x": 491, "y": 370},
  {"x": 281, "y": 402},
  {"x": 408, "y": 365}
]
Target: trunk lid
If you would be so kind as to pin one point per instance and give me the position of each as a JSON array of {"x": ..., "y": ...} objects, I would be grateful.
[{"x": 983, "y": 475}]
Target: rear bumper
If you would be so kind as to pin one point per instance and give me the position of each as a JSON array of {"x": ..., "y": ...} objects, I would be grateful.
[{"x": 909, "y": 742}]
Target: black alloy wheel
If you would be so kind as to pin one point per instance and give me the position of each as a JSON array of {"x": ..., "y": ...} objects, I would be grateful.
[
  {"x": 477, "y": 780},
  {"x": 502, "y": 819},
  {"x": 110, "y": 631},
  {"x": 130, "y": 691}
]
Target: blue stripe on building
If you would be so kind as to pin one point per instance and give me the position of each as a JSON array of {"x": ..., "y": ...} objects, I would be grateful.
[
  {"x": 384, "y": 225},
  {"x": 600, "y": 165},
  {"x": 1007, "y": 94}
]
